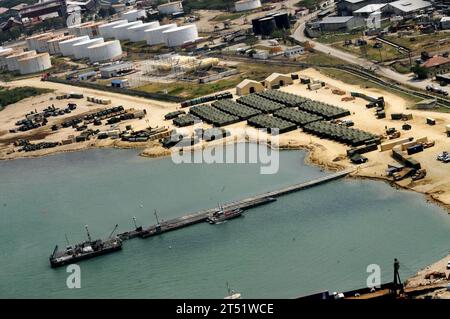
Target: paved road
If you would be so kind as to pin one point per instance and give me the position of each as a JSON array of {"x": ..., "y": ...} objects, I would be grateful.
[{"x": 353, "y": 59}]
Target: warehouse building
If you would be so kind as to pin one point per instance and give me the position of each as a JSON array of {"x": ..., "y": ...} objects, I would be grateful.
[
  {"x": 445, "y": 23},
  {"x": 294, "y": 51},
  {"x": 276, "y": 80},
  {"x": 408, "y": 7},
  {"x": 170, "y": 7},
  {"x": 341, "y": 23},
  {"x": 116, "y": 70},
  {"x": 370, "y": 9},
  {"x": 248, "y": 87},
  {"x": 437, "y": 65},
  {"x": 348, "y": 7}
]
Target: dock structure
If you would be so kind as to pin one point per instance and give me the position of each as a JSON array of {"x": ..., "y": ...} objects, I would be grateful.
[
  {"x": 244, "y": 204},
  {"x": 186, "y": 220}
]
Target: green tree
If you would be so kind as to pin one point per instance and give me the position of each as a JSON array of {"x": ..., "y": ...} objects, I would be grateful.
[{"x": 420, "y": 71}]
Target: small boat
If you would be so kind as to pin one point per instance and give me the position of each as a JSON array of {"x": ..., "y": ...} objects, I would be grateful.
[
  {"x": 232, "y": 294},
  {"x": 222, "y": 215}
]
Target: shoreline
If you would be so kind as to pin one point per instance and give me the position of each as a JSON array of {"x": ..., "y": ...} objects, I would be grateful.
[{"x": 155, "y": 150}]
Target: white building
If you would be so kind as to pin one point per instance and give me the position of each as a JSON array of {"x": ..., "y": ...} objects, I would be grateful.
[
  {"x": 369, "y": 9},
  {"x": 445, "y": 23},
  {"x": 170, "y": 7},
  {"x": 294, "y": 51},
  {"x": 408, "y": 7},
  {"x": 246, "y": 5},
  {"x": 35, "y": 63}
]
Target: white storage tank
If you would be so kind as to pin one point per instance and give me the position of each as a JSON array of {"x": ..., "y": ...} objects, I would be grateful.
[
  {"x": 42, "y": 42},
  {"x": 178, "y": 36},
  {"x": 80, "y": 49},
  {"x": 66, "y": 46},
  {"x": 105, "y": 30},
  {"x": 12, "y": 61},
  {"x": 246, "y": 5},
  {"x": 121, "y": 32},
  {"x": 105, "y": 51},
  {"x": 137, "y": 32},
  {"x": 36, "y": 63},
  {"x": 32, "y": 41},
  {"x": 4, "y": 53},
  {"x": 170, "y": 7},
  {"x": 134, "y": 15},
  {"x": 155, "y": 36},
  {"x": 53, "y": 44}
]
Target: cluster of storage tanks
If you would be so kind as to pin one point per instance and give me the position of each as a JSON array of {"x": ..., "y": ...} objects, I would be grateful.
[
  {"x": 151, "y": 32},
  {"x": 266, "y": 25},
  {"x": 25, "y": 62}
]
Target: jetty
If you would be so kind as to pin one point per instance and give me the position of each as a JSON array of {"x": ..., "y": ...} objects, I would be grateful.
[{"x": 244, "y": 204}]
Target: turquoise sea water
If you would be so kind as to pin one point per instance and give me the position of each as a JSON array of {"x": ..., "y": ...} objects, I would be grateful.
[{"x": 317, "y": 239}]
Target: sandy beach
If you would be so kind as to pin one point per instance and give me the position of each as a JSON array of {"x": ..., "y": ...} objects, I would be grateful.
[{"x": 326, "y": 153}]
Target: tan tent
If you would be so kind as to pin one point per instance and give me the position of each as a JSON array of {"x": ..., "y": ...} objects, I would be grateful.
[
  {"x": 248, "y": 87},
  {"x": 277, "y": 79}
]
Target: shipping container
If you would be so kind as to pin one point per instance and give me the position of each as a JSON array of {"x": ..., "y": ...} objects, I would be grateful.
[{"x": 414, "y": 149}]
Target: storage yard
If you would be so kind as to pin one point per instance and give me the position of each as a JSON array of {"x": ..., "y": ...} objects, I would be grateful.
[{"x": 315, "y": 119}]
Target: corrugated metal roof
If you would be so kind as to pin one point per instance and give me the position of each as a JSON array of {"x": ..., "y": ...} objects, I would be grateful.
[
  {"x": 410, "y": 5},
  {"x": 370, "y": 8},
  {"x": 336, "y": 19}
]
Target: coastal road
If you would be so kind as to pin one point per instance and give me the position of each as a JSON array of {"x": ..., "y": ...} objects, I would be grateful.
[{"x": 353, "y": 59}]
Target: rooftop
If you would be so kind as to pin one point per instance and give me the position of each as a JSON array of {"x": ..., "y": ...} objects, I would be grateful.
[
  {"x": 435, "y": 61},
  {"x": 121, "y": 66},
  {"x": 246, "y": 82},
  {"x": 410, "y": 5},
  {"x": 336, "y": 19},
  {"x": 370, "y": 8}
]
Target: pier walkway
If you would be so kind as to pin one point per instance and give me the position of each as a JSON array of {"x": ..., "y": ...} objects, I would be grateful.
[{"x": 243, "y": 204}]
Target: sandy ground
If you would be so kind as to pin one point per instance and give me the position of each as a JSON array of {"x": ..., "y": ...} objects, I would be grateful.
[
  {"x": 323, "y": 152},
  {"x": 424, "y": 279}
]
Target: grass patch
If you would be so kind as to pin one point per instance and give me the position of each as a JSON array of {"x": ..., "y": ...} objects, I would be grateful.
[
  {"x": 186, "y": 90},
  {"x": 423, "y": 42},
  {"x": 310, "y": 4},
  {"x": 319, "y": 58},
  {"x": 227, "y": 16},
  {"x": 14, "y": 95},
  {"x": 401, "y": 67}
]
